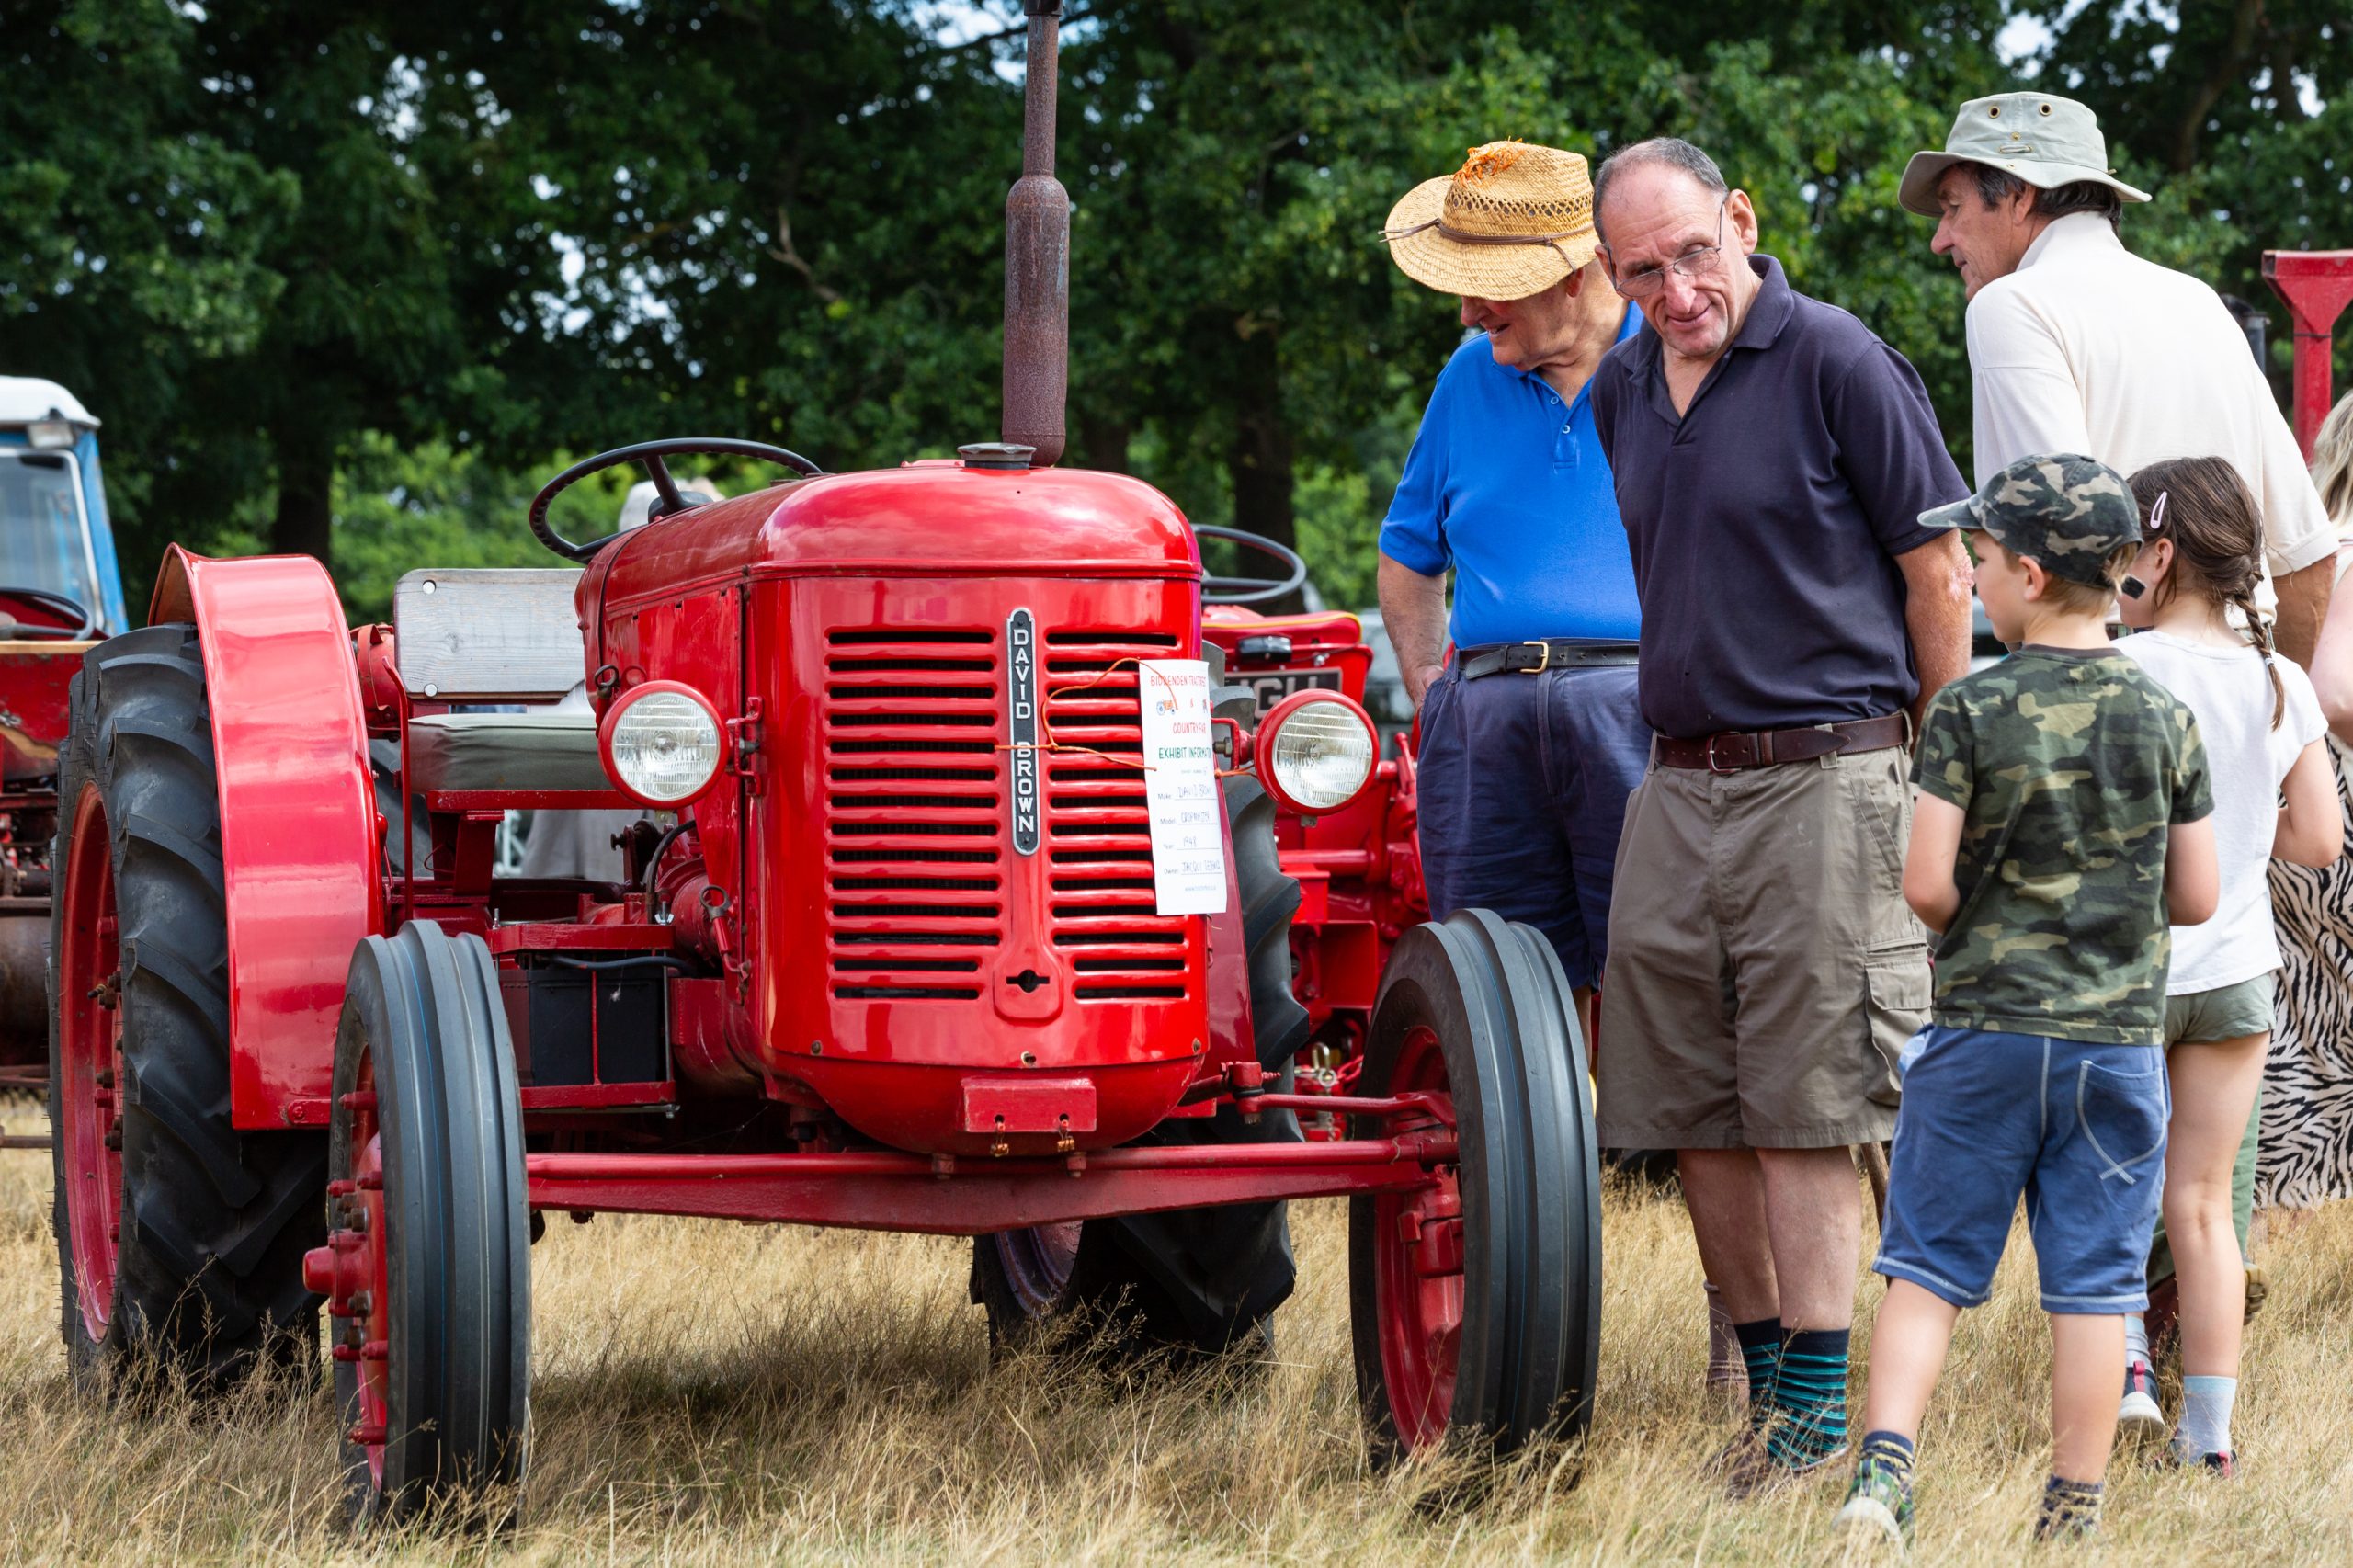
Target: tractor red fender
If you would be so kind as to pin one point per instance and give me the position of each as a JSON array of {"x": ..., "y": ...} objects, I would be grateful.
[{"x": 299, "y": 843}]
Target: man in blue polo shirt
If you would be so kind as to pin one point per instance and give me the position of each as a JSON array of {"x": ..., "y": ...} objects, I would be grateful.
[{"x": 1532, "y": 736}]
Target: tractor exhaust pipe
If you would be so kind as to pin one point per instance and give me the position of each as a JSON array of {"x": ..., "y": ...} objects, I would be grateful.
[{"x": 1037, "y": 261}]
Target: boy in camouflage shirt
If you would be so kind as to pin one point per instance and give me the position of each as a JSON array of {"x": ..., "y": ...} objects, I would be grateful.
[{"x": 2060, "y": 827}]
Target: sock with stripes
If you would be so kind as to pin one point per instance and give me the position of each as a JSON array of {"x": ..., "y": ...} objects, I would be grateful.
[
  {"x": 1810, "y": 1397},
  {"x": 2070, "y": 1508},
  {"x": 1760, "y": 1352}
]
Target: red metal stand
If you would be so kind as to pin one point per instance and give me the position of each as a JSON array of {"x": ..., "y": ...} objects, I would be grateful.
[{"x": 2317, "y": 284}]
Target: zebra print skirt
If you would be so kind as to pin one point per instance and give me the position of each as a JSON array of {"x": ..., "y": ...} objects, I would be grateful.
[{"x": 2306, "y": 1154}]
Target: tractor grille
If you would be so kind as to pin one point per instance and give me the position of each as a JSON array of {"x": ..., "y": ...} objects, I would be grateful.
[
  {"x": 1098, "y": 842},
  {"x": 915, "y": 812},
  {"x": 918, "y": 847}
]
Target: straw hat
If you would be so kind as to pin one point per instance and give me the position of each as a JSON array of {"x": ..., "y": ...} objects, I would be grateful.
[{"x": 1513, "y": 220}]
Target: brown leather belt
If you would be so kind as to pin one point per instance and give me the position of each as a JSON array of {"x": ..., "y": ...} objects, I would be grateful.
[{"x": 1736, "y": 749}]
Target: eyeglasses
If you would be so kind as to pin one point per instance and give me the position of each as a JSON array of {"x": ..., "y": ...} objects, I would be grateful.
[{"x": 1693, "y": 264}]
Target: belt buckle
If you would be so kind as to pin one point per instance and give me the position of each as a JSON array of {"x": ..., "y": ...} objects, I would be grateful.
[
  {"x": 1721, "y": 772},
  {"x": 1543, "y": 664}
]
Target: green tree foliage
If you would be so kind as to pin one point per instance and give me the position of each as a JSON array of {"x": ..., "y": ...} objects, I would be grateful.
[{"x": 386, "y": 264}]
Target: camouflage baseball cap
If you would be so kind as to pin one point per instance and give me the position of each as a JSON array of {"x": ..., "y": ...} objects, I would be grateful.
[{"x": 2070, "y": 512}]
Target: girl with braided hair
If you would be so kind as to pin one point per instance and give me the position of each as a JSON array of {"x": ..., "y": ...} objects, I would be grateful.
[{"x": 2190, "y": 595}]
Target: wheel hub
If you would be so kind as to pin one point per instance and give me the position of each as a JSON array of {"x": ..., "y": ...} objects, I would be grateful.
[
  {"x": 351, "y": 1272},
  {"x": 91, "y": 1077},
  {"x": 1419, "y": 1262}
]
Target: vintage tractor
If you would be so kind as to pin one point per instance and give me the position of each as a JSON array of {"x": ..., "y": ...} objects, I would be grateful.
[
  {"x": 950, "y": 924},
  {"x": 60, "y": 592}
]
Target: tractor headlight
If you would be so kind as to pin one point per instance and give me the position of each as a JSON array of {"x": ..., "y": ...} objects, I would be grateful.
[
  {"x": 662, "y": 743},
  {"x": 1316, "y": 752}
]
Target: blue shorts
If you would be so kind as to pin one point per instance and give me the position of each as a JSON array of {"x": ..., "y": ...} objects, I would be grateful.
[
  {"x": 2078, "y": 1130},
  {"x": 1523, "y": 782}
]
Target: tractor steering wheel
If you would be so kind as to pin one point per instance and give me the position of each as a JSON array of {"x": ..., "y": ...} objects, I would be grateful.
[
  {"x": 651, "y": 454},
  {"x": 1252, "y": 590},
  {"x": 83, "y": 622}
]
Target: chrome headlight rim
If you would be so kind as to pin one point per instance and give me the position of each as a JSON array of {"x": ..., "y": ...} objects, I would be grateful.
[{"x": 608, "y": 730}]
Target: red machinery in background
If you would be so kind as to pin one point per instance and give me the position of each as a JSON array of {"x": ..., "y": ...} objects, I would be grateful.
[
  {"x": 2316, "y": 285},
  {"x": 988, "y": 902}
]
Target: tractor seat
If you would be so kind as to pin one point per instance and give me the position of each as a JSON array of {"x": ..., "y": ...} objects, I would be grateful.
[{"x": 544, "y": 750}]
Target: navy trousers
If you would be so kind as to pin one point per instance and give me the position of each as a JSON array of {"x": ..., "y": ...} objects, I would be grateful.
[{"x": 1524, "y": 779}]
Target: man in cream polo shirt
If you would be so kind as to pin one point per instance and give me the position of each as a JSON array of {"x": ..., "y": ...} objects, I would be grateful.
[{"x": 2077, "y": 345}]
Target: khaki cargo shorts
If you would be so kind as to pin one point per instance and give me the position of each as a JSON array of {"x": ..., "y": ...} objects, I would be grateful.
[{"x": 1764, "y": 969}]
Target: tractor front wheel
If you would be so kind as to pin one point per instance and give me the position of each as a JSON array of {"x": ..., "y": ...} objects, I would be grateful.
[
  {"x": 1476, "y": 1298},
  {"x": 426, "y": 1265},
  {"x": 178, "y": 1237}
]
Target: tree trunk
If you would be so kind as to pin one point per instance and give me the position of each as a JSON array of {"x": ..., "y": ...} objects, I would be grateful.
[
  {"x": 2226, "y": 67},
  {"x": 304, "y": 523},
  {"x": 1103, "y": 438},
  {"x": 1260, "y": 462}
]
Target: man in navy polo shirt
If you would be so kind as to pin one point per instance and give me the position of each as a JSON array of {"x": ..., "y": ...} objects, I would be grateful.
[
  {"x": 1530, "y": 735},
  {"x": 1772, "y": 461}
]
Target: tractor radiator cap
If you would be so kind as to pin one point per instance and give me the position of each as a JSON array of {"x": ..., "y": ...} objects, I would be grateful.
[{"x": 996, "y": 454}]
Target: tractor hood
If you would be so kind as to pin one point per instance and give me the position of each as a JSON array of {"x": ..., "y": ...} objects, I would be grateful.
[{"x": 925, "y": 519}]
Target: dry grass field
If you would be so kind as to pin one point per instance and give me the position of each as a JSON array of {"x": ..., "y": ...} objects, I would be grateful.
[{"x": 713, "y": 1393}]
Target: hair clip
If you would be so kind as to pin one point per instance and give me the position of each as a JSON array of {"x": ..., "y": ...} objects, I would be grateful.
[{"x": 2156, "y": 513}]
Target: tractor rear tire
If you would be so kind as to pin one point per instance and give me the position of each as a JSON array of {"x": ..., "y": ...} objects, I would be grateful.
[
  {"x": 180, "y": 1238},
  {"x": 1476, "y": 1301},
  {"x": 428, "y": 1262},
  {"x": 1192, "y": 1281}
]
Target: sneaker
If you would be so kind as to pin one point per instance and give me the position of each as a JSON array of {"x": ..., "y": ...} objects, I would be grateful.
[
  {"x": 2224, "y": 1466},
  {"x": 1878, "y": 1508},
  {"x": 1752, "y": 1471},
  {"x": 2138, "y": 1419},
  {"x": 2065, "y": 1527}
]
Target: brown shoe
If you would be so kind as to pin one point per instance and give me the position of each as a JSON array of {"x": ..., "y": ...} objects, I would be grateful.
[{"x": 1756, "y": 1473}]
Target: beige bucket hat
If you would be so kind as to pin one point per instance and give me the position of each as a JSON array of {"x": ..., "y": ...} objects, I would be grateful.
[
  {"x": 1513, "y": 220},
  {"x": 2045, "y": 140}
]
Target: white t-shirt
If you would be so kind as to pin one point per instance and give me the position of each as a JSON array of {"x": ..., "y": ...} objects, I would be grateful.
[
  {"x": 2246, "y": 761},
  {"x": 2088, "y": 348}
]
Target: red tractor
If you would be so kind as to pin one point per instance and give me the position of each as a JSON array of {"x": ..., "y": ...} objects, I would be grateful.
[{"x": 944, "y": 923}]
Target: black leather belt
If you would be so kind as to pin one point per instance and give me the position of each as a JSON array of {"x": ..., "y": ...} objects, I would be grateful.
[
  {"x": 1550, "y": 654},
  {"x": 1736, "y": 749}
]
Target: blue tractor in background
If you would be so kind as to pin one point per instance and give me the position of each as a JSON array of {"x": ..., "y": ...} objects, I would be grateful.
[{"x": 61, "y": 592}]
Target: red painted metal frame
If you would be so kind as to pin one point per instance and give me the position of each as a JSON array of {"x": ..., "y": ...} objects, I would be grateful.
[
  {"x": 300, "y": 840},
  {"x": 34, "y": 677},
  {"x": 2317, "y": 285},
  {"x": 1360, "y": 868},
  {"x": 963, "y": 1198}
]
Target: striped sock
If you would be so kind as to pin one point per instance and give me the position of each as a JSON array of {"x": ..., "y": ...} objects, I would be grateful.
[
  {"x": 1760, "y": 1352},
  {"x": 2070, "y": 1508},
  {"x": 1811, "y": 1397}
]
